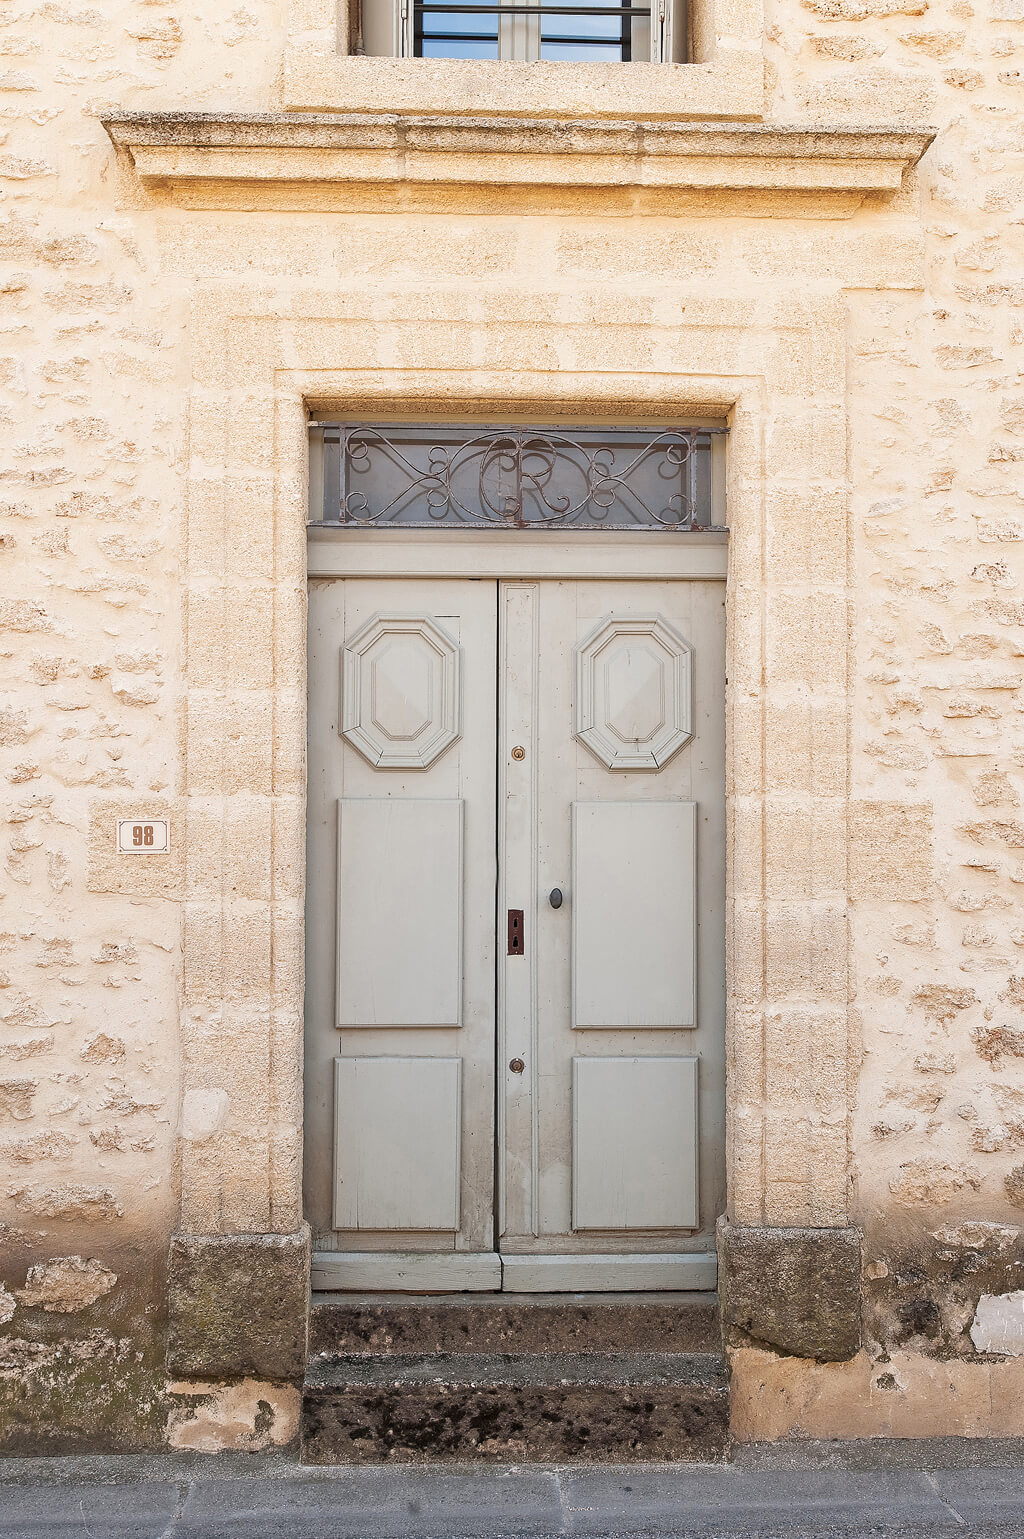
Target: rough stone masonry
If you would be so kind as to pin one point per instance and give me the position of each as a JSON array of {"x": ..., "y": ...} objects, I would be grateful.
[{"x": 892, "y": 338}]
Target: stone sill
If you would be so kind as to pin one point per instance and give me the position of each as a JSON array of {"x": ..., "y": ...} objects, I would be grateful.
[
  {"x": 177, "y": 152},
  {"x": 732, "y": 86}
]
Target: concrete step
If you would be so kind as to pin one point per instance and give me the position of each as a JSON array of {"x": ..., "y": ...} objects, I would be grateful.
[
  {"x": 553, "y": 1407},
  {"x": 508, "y": 1322}
]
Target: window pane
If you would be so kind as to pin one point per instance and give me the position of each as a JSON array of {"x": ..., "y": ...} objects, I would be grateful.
[
  {"x": 455, "y": 33},
  {"x": 587, "y": 37},
  {"x": 441, "y": 48},
  {"x": 576, "y": 53},
  {"x": 607, "y": 28}
]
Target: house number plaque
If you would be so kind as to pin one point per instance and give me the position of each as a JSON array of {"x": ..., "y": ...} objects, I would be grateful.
[{"x": 143, "y": 836}]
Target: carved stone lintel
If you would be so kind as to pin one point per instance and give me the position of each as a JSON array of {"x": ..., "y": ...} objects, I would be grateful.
[{"x": 181, "y": 151}]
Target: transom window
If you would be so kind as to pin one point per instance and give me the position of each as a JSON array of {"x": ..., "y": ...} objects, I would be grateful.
[
  {"x": 567, "y": 31},
  {"x": 392, "y": 476}
]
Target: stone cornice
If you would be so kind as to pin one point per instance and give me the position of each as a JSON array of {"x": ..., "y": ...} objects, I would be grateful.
[{"x": 177, "y": 150}]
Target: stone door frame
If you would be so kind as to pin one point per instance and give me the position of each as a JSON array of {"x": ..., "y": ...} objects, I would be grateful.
[{"x": 239, "y": 1263}]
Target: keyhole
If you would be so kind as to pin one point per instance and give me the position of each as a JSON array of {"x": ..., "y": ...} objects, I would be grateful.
[{"x": 516, "y": 938}]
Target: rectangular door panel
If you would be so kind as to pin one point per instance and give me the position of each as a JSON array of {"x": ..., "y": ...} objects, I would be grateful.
[
  {"x": 397, "y": 1143},
  {"x": 633, "y": 914},
  {"x": 399, "y": 912},
  {"x": 634, "y": 1155}
]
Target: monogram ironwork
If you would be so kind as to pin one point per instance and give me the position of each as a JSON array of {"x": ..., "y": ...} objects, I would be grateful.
[{"x": 515, "y": 477}]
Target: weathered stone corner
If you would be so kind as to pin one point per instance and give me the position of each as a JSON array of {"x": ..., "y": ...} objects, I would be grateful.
[
  {"x": 794, "y": 1290},
  {"x": 238, "y": 1306}
]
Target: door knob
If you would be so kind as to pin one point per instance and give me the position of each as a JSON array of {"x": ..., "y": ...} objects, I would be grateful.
[
  {"x": 555, "y": 897},
  {"x": 517, "y": 1066}
]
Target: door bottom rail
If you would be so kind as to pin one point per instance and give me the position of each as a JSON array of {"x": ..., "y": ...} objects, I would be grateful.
[{"x": 496, "y": 1272}]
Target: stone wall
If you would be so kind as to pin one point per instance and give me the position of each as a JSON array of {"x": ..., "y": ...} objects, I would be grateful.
[
  {"x": 96, "y": 366},
  {"x": 94, "y": 369},
  {"x": 936, "y": 395}
]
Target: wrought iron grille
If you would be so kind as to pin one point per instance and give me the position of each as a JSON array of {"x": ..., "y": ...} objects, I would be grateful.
[{"x": 390, "y": 476}]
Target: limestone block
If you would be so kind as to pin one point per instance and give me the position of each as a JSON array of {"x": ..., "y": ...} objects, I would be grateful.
[
  {"x": 149, "y": 876},
  {"x": 807, "y": 738},
  {"x": 747, "y": 953},
  {"x": 795, "y": 1290},
  {"x": 248, "y": 1417},
  {"x": 805, "y": 527},
  {"x": 238, "y": 247},
  {"x": 238, "y": 1306},
  {"x": 288, "y": 740},
  {"x": 805, "y": 847},
  {"x": 910, "y": 1395},
  {"x": 891, "y": 851},
  {"x": 747, "y": 845},
  {"x": 229, "y": 742},
  {"x": 66, "y": 1285},
  {"x": 999, "y": 1324},
  {"x": 202, "y": 979},
  {"x": 247, "y": 951},
  {"x": 288, "y": 834},
  {"x": 806, "y": 637},
  {"x": 249, "y": 530},
  {"x": 806, "y": 948}
]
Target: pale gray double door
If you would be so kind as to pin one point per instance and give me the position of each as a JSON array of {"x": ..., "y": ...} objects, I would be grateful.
[{"x": 514, "y": 1061}]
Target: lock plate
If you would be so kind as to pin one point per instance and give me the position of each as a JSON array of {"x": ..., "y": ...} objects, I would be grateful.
[{"x": 516, "y": 933}]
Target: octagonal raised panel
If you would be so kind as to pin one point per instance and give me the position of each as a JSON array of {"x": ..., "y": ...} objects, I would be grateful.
[
  {"x": 400, "y": 691},
  {"x": 634, "y": 692}
]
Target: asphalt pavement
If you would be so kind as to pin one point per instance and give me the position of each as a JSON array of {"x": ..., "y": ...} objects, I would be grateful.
[{"x": 826, "y": 1492}]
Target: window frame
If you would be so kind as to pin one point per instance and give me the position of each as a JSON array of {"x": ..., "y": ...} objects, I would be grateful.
[{"x": 387, "y": 29}]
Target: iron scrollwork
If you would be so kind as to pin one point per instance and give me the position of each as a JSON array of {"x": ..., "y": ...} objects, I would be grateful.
[{"x": 516, "y": 477}]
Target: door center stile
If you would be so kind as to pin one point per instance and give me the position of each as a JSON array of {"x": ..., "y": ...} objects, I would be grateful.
[{"x": 518, "y": 888}]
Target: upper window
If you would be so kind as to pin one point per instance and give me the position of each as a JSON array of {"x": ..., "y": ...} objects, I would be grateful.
[{"x": 584, "y": 32}]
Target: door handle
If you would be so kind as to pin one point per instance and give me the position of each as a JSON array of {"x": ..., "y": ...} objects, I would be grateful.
[{"x": 555, "y": 897}]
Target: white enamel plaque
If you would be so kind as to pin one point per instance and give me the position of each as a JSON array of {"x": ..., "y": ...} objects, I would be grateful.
[{"x": 143, "y": 836}]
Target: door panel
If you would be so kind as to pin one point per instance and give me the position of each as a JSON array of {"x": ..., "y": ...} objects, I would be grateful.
[
  {"x": 634, "y": 1156},
  {"x": 633, "y": 914},
  {"x": 400, "y": 875},
  {"x": 397, "y": 1143},
  {"x": 400, "y": 1023}
]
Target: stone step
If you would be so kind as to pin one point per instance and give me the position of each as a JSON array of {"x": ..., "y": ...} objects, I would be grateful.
[
  {"x": 526, "y": 1322},
  {"x": 515, "y": 1406}
]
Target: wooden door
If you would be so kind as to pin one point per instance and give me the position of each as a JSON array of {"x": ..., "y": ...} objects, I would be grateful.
[
  {"x": 474, "y": 746},
  {"x": 611, "y": 1004},
  {"x": 400, "y": 933}
]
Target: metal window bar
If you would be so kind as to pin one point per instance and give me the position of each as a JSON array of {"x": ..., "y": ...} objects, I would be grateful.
[{"x": 394, "y": 476}]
